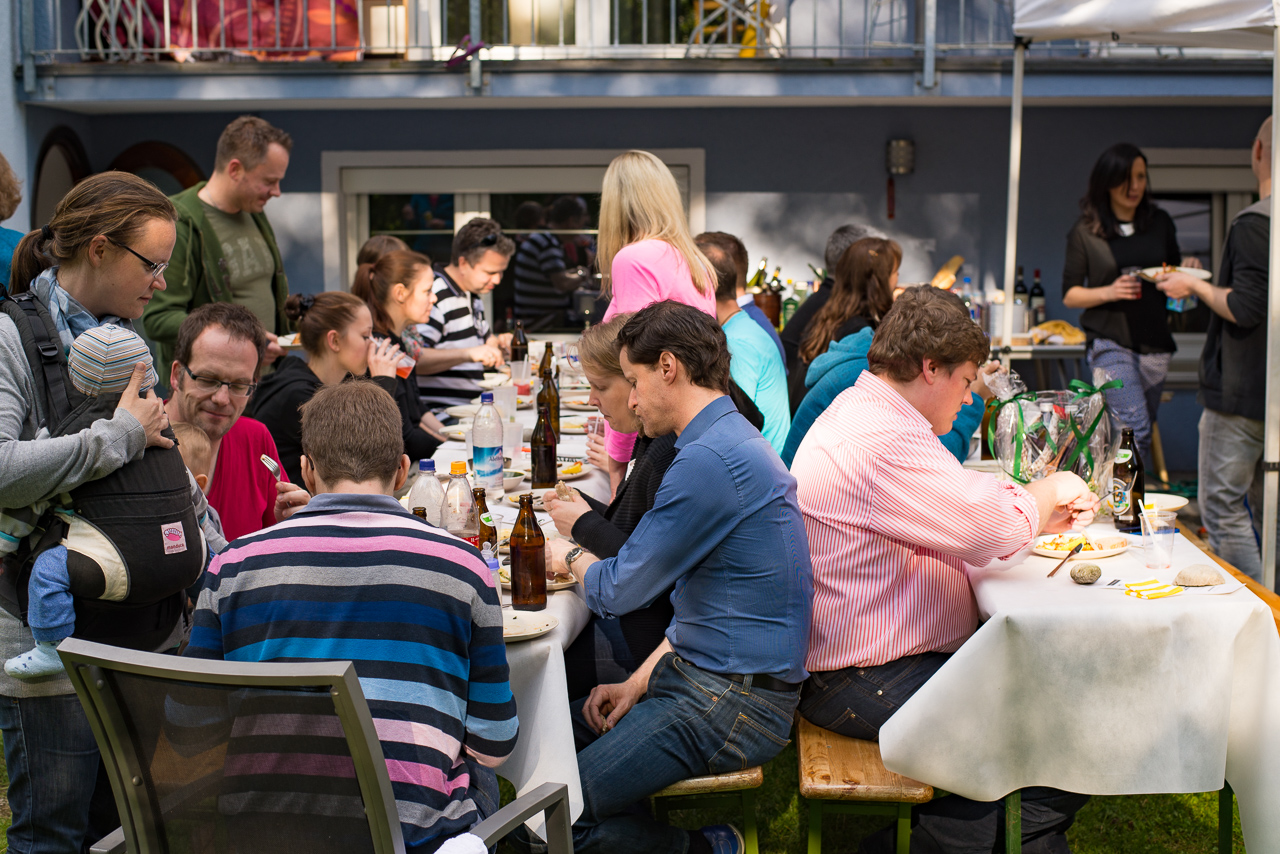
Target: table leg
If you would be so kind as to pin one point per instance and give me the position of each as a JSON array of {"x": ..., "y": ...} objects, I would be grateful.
[
  {"x": 904, "y": 829},
  {"x": 1226, "y": 818},
  {"x": 1013, "y": 822},
  {"x": 815, "y": 827}
]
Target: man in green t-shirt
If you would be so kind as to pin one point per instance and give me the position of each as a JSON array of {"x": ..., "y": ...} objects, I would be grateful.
[{"x": 226, "y": 250}]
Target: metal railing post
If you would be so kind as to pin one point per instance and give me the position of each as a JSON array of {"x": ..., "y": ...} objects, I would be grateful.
[
  {"x": 477, "y": 80},
  {"x": 28, "y": 46},
  {"x": 929, "y": 78}
]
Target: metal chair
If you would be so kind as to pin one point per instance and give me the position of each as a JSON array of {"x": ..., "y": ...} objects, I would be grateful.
[{"x": 216, "y": 756}]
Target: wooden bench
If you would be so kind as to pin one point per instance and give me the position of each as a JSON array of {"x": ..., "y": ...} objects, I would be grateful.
[
  {"x": 842, "y": 774},
  {"x": 713, "y": 790}
]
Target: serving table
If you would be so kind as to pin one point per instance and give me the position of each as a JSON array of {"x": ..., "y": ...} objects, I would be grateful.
[
  {"x": 545, "y": 750},
  {"x": 1093, "y": 691}
]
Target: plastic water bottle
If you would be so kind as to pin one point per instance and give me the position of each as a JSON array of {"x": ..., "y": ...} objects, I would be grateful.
[
  {"x": 426, "y": 495},
  {"x": 491, "y": 561},
  {"x": 458, "y": 512},
  {"x": 486, "y": 448}
]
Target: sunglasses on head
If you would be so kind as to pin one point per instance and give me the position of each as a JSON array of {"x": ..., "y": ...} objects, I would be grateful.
[{"x": 490, "y": 239}]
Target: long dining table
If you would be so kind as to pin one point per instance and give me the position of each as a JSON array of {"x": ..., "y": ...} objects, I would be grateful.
[
  {"x": 1090, "y": 690},
  {"x": 545, "y": 750}
]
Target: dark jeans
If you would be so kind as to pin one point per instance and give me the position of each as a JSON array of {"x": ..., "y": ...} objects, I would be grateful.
[
  {"x": 857, "y": 701},
  {"x": 690, "y": 723},
  {"x": 58, "y": 789}
]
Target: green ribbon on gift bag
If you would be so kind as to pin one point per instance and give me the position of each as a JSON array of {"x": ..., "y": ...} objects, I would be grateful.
[
  {"x": 995, "y": 406},
  {"x": 1083, "y": 390}
]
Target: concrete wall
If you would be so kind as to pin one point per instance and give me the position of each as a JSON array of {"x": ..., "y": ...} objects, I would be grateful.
[{"x": 780, "y": 178}]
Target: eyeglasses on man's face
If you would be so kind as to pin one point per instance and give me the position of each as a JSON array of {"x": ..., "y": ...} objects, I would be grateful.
[
  {"x": 156, "y": 268},
  {"x": 210, "y": 385}
]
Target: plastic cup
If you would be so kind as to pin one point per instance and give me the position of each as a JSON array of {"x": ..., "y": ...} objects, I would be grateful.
[
  {"x": 520, "y": 371},
  {"x": 1158, "y": 530},
  {"x": 405, "y": 367},
  {"x": 504, "y": 397}
]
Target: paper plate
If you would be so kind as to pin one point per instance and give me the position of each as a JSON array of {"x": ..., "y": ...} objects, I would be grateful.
[
  {"x": 1150, "y": 273},
  {"x": 1165, "y": 501},
  {"x": 578, "y": 405},
  {"x": 1097, "y": 554},
  {"x": 465, "y": 411},
  {"x": 573, "y": 426},
  {"x": 552, "y": 586},
  {"x": 587, "y": 468},
  {"x": 514, "y": 498},
  {"x": 526, "y": 625}
]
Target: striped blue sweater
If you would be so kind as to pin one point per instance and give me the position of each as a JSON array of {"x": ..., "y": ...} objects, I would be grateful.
[{"x": 356, "y": 577}]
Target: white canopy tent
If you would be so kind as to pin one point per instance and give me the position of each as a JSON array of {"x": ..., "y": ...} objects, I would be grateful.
[{"x": 1243, "y": 24}]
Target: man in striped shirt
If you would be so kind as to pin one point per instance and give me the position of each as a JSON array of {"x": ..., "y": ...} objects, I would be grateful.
[
  {"x": 458, "y": 342},
  {"x": 893, "y": 519},
  {"x": 544, "y": 281},
  {"x": 355, "y": 577}
]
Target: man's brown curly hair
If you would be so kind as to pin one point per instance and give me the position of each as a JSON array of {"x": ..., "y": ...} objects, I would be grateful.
[{"x": 925, "y": 323}]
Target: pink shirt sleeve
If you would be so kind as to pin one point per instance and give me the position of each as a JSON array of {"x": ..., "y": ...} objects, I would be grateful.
[{"x": 641, "y": 274}]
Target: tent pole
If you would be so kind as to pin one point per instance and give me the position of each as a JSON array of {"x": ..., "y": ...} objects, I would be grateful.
[
  {"x": 1015, "y": 179},
  {"x": 1271, "y": 445}
]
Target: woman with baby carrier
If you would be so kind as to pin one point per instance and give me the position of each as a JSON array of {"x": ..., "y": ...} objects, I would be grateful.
[{"x": 98, "y": 261}]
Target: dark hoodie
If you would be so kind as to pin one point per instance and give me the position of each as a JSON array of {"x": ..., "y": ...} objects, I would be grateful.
[{"x": 277, "y": 400}]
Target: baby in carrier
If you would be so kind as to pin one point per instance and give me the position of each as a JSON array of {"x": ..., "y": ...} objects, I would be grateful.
[{"x": 101, "y": 361}]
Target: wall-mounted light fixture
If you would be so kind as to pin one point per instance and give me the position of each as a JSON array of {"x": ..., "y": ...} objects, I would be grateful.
[{"x": 899, "y": 159}]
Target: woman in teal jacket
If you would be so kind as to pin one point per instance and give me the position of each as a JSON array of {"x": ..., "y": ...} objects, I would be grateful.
[{"x": 838, "y": 369}]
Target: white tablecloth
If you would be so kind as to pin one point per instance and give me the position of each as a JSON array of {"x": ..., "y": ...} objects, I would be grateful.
[
  {"x": 1093, "y": 691},
  {"x": 545, "y": 751}
]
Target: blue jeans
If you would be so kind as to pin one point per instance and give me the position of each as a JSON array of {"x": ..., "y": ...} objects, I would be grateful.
[
  {"x": 58, "y": 789},
  {"x": 690, "y": 723},
  {"x": 1230, "y": 491},
  {"x": 1135, "y": 403},
  {"x": 52, "y": 613},
  {"x": 857, "y": 701}
]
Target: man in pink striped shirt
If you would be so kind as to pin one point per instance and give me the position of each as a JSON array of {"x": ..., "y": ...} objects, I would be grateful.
[{"x": 893, "y": 519}]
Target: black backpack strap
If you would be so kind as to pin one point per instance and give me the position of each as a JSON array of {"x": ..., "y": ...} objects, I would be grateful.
[{"x": 43, "y": 346}]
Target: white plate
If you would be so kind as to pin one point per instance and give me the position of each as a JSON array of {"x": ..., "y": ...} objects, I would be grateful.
[
  {"x": 578, "y": 405},
  {"x": 504, "y": 539},
  {"x": 552, "y": 586},
  {"x": 456, "y": 433},
  {"x": 514, "y": 498},
  {"x": 466, "y": 411},
  {"x": 573, "y": 426},
  {"x": 586, "y": 470},
  {"x": 290, "y": 341},
  {"x": 1165, "y": 501},
  {"x": 494, "y": 380},
  {"x": 526, "y": 625},
  {"x": 1150, "y": 273},
  {"x": 1097, "y": 554},
  {"x": 523, "y": 401}
]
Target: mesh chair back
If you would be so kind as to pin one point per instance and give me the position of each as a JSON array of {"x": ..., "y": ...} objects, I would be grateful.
[{"x": 217, "y": 756}]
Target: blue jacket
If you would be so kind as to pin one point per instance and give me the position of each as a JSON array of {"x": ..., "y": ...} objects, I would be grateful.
[{"x": 838, "y": 369}]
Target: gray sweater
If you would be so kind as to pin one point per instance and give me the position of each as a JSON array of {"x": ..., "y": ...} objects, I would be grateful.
[{"x": 35, "y": 467}]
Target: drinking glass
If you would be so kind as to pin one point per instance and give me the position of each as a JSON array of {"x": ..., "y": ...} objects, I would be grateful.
[
  {"x": 504, "y": 398},
  {"x": 520, "y": 371},
  {"x": 1158, "y": 529}
]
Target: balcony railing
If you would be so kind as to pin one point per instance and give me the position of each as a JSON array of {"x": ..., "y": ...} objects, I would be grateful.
[{"x": 202, "y": 31}]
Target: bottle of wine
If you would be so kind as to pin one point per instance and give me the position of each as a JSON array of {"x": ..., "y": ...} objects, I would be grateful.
[
  {"x": 542, "y": 452},
  {"x": 756, "y": 282},
  {"x": 1021, "y": 310},
  {"x": 1038, "y": 315}
]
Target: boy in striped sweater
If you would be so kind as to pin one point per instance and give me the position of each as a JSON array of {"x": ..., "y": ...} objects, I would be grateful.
[{"x": 354, "y": 576}]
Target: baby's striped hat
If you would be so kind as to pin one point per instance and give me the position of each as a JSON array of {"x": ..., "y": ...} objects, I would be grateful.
[{"x": 102, "y": 360}]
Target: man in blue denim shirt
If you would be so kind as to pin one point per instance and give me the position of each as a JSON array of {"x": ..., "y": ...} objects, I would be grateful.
[{"x": 719, "y": 694}]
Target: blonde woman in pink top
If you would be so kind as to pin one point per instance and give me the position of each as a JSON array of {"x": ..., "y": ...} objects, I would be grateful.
[{"x": 646, "y": 255}]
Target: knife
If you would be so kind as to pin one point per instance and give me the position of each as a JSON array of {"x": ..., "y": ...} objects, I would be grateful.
[{"x": 1075, "y": 551}]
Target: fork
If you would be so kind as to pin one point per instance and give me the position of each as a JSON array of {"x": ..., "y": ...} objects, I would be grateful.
[{"x": 272, "y": 466}]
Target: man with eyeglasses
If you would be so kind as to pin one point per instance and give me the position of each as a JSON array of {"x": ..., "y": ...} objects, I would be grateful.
[
  {"x": 217, "y": 362},
  {"x": 226, "y": 250},
  {"x": 479, "y": 257}
]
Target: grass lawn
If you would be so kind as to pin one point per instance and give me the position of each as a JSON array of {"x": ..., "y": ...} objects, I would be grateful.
[{"x": 1141, "y": 824}]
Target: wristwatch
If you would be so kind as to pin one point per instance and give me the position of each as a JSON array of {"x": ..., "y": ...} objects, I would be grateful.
[{"x": 574, "y": 553}]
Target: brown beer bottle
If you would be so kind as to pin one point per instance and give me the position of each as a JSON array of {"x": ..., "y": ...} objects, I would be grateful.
[
  {"x": 544, "y": 367},
  {"x": 553, "y": 401},
  {"x": 1128, "y": 485},
  {"x": 519, "y": 343},
  {"x": 542, "y": 452},
  {"x": 528, "y": 560},
  {"x": 484, "y": 520}
]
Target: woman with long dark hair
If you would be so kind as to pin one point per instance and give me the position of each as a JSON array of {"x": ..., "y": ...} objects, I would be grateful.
[
  {"x": 1120, "y": 231},
  {"x": 397, "y": 290},
  {"x": 865, "y": 279}
]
